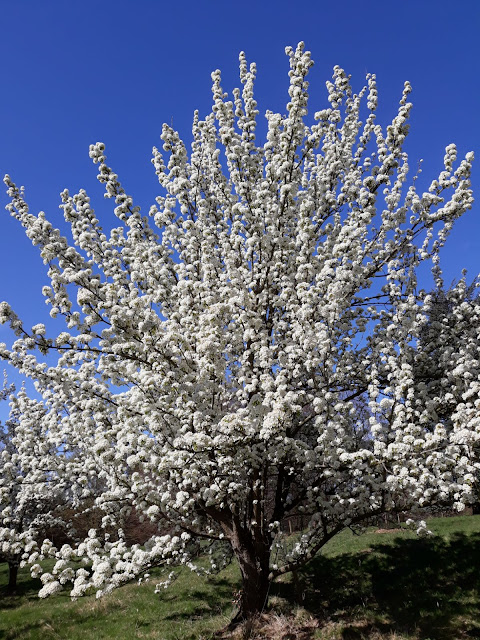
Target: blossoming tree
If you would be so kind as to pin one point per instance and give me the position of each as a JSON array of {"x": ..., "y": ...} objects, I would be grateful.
[
  {"x": 30, "y": 490},
  {"x": 217, "y": 350}
]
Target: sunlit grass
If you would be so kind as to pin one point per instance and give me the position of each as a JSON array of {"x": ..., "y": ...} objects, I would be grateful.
[{"x": 191, "y": 608}]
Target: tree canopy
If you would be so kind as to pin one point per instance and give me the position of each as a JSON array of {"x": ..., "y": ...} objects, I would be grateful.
[{"x": 246, "y": 352}]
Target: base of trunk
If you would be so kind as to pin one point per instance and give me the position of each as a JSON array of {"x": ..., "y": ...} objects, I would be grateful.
[{"x": 252, "y": 601}]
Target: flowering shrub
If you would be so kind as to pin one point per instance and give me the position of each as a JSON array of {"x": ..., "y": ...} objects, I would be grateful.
[{"x": 217, "y": 350}]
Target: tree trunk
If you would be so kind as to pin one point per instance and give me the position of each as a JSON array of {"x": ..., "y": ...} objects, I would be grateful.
[
  {"x": 254, "y": 567},
  {"x": 12, "y": 577},
  {"x": 252, "y": 550},
  {"x": 254, "y": 594}
]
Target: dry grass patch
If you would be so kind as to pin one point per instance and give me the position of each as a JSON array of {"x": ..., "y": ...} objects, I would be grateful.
[
  {"x": 300, "y": 625},
  {"x": 274, "y": 626}
]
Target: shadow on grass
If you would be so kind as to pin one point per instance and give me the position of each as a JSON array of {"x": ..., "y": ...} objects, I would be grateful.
[
  {"x": 429, "y": 588},
  {"x": 27, "y": 588},
  {"x": 208, "y": 602}
]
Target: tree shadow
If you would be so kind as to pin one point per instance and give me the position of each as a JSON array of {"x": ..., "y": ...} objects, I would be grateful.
[
  {"x": 27, "y": 588},
  {"x": 427, "y": 587},
  {"x": 211, "y": 600}
]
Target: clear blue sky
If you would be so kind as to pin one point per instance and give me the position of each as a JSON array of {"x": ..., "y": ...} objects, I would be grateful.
[{"x": 77, "y": 72}]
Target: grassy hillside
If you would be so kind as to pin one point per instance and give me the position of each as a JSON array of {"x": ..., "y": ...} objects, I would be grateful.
[{"x": 381, "y": 585}]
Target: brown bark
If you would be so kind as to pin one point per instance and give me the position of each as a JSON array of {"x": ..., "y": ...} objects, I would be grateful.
[
  {"x": 253, "y": 558},
  {"x": 12, "y": 577},
  {"x": 254, "y": 593},
  {"x": 251, "y": 547}
]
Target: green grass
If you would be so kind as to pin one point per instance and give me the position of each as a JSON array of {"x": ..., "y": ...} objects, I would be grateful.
[
  {"x": 349, "y": 542},
  {"x": 192, "y": 608},
  {"x": 375, "y": 585}
]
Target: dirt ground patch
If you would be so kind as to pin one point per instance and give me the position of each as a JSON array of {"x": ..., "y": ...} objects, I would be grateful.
[{"x": 388, "y": 531}]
